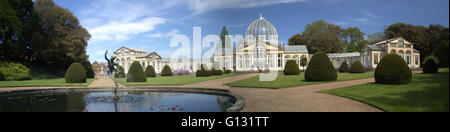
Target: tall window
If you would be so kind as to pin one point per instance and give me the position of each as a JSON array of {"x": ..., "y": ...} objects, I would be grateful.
[
  {"x": 248, "y": 61},
  {"x": 417, "y": 59},
  {"x": 408, "y": 59},
  {"x": 375, "y": 59},
  {"x": 280, "y": 60}
]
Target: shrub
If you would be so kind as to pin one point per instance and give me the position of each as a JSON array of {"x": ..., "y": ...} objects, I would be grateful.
[
  {"x": 75, "y": 74},
  {"x": 89, "y": 71},
  {"x": 1, "y": 77},
  {"x": 392, "y": 69},
  {"x": 430, "y": 66},
  {"x": 215, "y": 72},
  {"x": 291, "y": 68},
  {"x": 150, "y": 71},
  {"x": 344, "y": 68},
  {"x": 320, "y": 68},
  {"x": 136, "y": 73},
  {"x": 120, "y": 73},
  {"x": 11, "y": 71},
  {"x": 357, "y": 67},
  {"x": 227, "y": 71},
  {"x": 166, "y": 71},
  {"x": 202, "y": 72}
]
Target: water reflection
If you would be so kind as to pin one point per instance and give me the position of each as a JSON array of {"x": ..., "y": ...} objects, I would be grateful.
[{"x": 104, "y": 102}]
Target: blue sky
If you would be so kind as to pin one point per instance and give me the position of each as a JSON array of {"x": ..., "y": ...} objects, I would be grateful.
[{"x": 150, "y": 24}]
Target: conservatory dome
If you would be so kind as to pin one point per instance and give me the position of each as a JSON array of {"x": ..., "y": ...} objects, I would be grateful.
[{"x": 261, "y": 27}]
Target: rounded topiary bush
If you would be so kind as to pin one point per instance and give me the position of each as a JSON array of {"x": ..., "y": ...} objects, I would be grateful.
[
  {"x": 136, "y": 73},
  {"x": 202, "y": 72},
  {"x": 344, "y": 68},
  {"x": 166, "y": 71},
  {"x": 1, "y": 77},
  {"x": 150, "y": 71},
  {"x": 227, "y": 72},
  {"x": 320, "y": 68},
  {"x": 357, "y": 67},
  {"x": 392, "y": 69},
  {"x": 14, "y": 71},
  {"x": 89, "y": 71},
  {"x": 75, "y": 74},
  {"x": 120, "y": 72},
  {"x": 291, "y": 68},
  {"x": 430, "y": 66}
]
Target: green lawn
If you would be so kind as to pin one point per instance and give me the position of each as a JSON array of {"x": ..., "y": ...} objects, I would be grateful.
[
  {"x": 41, "y": 83},
  {"x": 426, "y": 93},
  {"x": 283, "y": 81},
  {"x": 174, "y": 80}
]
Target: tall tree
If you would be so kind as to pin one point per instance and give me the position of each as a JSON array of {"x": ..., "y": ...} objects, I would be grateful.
[
  {"x": 351, "y": 37},
  {"x": 297, "y": 39},
  {"x": 10, "y": 28},
  {"x": 60, "y": 40},
  {"x": 376, "y": 37},
  {"x": 322, "y": 26},
  {"x": 326, "y": 42},
  {"x": 223, "y": 35}
]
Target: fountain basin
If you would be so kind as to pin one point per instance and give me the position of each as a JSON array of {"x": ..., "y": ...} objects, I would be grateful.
[{"x": 131, "y": 100}]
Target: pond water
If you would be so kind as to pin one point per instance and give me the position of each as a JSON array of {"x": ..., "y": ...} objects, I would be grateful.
[{"x": 101, "y": 101}]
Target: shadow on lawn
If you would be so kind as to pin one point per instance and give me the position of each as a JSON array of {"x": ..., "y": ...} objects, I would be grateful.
[{"x": 431, "y": 98}]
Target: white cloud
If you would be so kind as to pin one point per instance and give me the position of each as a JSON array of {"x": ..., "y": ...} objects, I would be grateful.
[
  {"x": 369, "y": 14},
  {"x": 120, "y": 31},
  {"x": 200, "y": 6},
  {"x": 358, "y": 19},
  {"x": 165, "y": 35}
]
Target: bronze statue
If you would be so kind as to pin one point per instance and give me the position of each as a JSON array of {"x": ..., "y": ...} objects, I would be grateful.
[{"x": 112, "y": 68}]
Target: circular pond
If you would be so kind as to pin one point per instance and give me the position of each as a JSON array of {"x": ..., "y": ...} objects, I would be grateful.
[{"x": 131, "y": 100}]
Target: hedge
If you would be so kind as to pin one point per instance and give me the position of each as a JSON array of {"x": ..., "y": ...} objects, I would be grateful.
[
  {"x": 202, "y": 72},
  {"x": 75, "y": 73},
  {"x": 430, "y": 66},
  {"x": 357, "y": 67},
  {"x": 11, "y": 71},
  {"x": 150, "y": 71},
  {"x": 291, "y": 68},
  {"x": 344, "y": 67},
  {"x": 166, "y": 71},
  {"x": 392, "y": 69},
  {"x": 136, "y": 73},
  {"x": 320, "y": 68}
]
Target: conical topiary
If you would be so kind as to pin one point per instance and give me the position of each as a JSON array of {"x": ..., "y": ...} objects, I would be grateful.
[
  {"x": 344, "y": 67},
  {"x": 357, "y": 67},
  {"x": 120, "y": 72},
  {"x": 150, "y": 71},
  {"x": 320, "y": 68},
  {"x": 166, "y": 71},
  {"x": 392, "y": 69},
  {"x": 136, "y": 73},
  {"x": 291, "y": 68},
  {"x": 430, "y": 66},
  {"x": 75, "y": 74}
]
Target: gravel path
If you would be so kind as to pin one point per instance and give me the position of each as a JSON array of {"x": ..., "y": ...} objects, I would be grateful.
[
  {"x": 295, "y": 99},
  {"x": 103, "y": 82}
]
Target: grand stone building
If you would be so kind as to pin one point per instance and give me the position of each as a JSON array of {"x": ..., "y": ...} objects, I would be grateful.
[{"x": 260, "y": 50}]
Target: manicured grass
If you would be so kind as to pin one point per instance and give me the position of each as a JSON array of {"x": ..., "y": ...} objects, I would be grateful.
[
  {"x": 426, "y": 93},
  {"x": 42, "y": 83},
  {"x": 174, "y": 80},
  {"x": 284, "y": 81}
]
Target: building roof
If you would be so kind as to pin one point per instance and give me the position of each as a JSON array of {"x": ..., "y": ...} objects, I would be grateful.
[
  {"x": 148, "y": 54},
  {"x": 343, "y": 55},
  {"x": 296, "y": 49},
  {"x": 374, "y": 47},
  {"x": 133, "y": 49},
  {"x": 261, "y": 27}
]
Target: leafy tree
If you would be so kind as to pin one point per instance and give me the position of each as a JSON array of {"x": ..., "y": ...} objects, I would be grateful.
[
  {"x": 322, "y": 26},
  {"x": 60, "y": 39},
  {"x": 376, "y": 37},
  {"x": 297, "y": 39},
  {"x": 351, "y": 37},
  {"x": 326, "y": 42},
  {"x": 223, "y": 35},
  {"x": 303, "y": 62},
  {"x": 361, "y": 45},
  {"x": 10, "y": 27}
]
